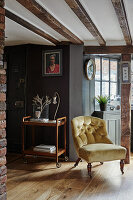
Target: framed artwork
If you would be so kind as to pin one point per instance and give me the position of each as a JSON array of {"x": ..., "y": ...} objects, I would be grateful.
[
  {"x": 52, "y": 63},
  {"x": 125, "y": 72}
]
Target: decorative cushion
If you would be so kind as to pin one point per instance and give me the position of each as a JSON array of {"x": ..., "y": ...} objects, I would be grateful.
[{"x": 101, "y": 152}]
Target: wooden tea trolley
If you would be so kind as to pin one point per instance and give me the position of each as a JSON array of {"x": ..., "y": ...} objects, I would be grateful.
[{"x": 57, "y": 123}]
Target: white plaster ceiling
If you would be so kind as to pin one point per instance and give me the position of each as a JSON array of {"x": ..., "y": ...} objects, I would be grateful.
[
  {"x": 61, "y": 11},
  {"x": 16, "y": 34},
  {"x": 101, "y": 12}
]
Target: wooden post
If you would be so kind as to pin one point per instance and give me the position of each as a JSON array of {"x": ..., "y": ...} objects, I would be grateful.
[
  {"x": 125, "y": 113},
  {"x": 3, "y": 170}
]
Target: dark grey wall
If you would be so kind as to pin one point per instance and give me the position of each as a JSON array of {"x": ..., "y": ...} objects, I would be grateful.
[
  {"x": 75, "y": 91},
  {"x": 30, "y": 57},
  {"x": 38, "y": 84},
  {"x": 88, "y": 91}
]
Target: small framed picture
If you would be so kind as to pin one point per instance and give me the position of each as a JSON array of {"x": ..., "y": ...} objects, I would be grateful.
[
  {"x": 52, "y": 63},
  {"x": 125, "y": 72}
]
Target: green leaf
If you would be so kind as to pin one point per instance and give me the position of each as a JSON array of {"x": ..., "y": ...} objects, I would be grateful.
[{"x": 102, "y": 99}]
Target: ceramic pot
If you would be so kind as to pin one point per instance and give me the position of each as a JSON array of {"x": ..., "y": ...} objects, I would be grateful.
[{"x": 103, "y": 106}]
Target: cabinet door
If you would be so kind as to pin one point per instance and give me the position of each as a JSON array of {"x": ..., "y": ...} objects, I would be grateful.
[{"x": 113, "y": 127}]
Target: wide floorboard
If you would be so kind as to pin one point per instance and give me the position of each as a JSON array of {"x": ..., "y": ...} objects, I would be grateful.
[{"x": 41, "y": 180}]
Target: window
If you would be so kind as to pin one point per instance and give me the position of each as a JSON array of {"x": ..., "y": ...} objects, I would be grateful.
[{"x": 106, "y": 78}]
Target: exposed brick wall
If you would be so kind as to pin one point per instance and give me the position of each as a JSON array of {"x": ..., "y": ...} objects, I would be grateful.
[{"x": 3, "y": 169}]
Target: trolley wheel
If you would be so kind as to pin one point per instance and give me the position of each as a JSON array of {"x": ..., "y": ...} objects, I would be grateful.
[
  {"x": 58, "y": 165},
  {"x": 66, "y": 158}
]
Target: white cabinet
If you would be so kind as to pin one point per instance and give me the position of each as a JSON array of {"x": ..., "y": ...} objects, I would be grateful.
[{"x": 113, "y": 124}]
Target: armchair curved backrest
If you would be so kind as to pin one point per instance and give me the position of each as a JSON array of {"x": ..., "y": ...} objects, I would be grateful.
[{"x": 89, "y": 130}]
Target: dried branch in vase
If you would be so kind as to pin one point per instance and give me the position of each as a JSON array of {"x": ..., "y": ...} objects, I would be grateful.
[{"x": 39, "y": 102}]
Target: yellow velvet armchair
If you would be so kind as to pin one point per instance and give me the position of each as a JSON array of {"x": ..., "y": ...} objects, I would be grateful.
[{"x": 92, "y": 143}]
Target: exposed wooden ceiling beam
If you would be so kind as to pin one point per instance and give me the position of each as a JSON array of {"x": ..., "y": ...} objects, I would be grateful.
[
  {"x": 108, "y": 49},
  {"x": 30, "y": 27},
  {"x": 79, "y": 10},
  {"x": 122, "y": 18},
  {"x": 46, "y": 17}
]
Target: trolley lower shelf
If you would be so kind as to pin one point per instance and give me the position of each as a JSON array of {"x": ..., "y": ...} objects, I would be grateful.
[{"x": 30, "y": 151}]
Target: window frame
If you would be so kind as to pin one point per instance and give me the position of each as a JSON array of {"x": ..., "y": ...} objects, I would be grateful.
[{"x": 109, "y": 81}]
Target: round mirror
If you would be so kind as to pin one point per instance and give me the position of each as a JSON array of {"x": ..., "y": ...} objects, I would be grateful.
[{"x": 90, "y": 69}]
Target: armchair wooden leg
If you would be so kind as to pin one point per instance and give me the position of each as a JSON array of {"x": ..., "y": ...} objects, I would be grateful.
[
  {"x": 77, "y": 162},
  {"x": 89, "y": 169},
  {"x": 122, "y": 166}
]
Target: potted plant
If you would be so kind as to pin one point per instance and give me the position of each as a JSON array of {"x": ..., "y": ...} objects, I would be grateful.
[{"x": 102, "y": 100}]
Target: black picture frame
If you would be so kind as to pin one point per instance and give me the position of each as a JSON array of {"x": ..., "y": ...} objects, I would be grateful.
[
  {"x": 48, "y": 57},
  {"x": 125, "y": 72}
]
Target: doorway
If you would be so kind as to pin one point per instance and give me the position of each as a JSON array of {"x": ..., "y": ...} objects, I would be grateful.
[{"x": 16, "y": 95}]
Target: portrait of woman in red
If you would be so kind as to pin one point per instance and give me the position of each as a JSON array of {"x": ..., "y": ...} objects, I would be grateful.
[
  {"x": 53, "y": 67},
  {"x": 52, "y": 62}
]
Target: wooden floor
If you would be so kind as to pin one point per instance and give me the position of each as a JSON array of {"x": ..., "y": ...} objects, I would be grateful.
[{"x": 41, "y": 180}]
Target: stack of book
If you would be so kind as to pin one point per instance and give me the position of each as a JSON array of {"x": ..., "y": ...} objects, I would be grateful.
[{"x": 45, "y": 148}]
